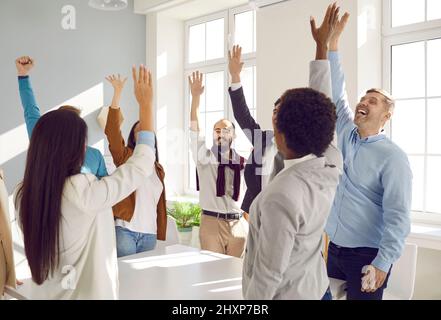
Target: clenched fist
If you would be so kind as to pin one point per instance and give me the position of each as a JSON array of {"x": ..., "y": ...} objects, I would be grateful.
[{"x": 24, "y": 65}]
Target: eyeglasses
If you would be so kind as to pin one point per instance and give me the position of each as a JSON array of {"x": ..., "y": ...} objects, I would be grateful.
[{"x": 224, "y": 130}]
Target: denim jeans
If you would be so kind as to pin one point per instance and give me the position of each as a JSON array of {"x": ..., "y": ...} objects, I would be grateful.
[
  {"x": 346, "y": 264},
  {"x": 129, "y": 242},
  {"x": 328, "y": 295}
]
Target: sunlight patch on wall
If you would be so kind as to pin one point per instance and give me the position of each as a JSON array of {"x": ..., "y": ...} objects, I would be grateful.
[
  {"x": 15, "y": 141},
  {"x": 88, "y": 101},
  {"x": 162, "y": 66}
]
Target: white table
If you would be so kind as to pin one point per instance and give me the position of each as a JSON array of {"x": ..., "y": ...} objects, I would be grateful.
[
  {"x": 173, "y": 273},
  {"x": 180, "y": 273}
]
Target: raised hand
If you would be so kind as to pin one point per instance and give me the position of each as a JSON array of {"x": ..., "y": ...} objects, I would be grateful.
[
  {"x": 340, "y": 27},
  {"x": 323, "y": 34},
  {"x": 235, "y": 64},
  {"x": 117, "y": 82},
  {"x": 118, "y": 85},
  {"x": 143, "y": 86},
  {"x": 196, "y": 81},
  {"x": 24, "y": 65}
]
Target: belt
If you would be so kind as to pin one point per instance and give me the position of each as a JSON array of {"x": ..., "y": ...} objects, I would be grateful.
[{"x": 225, "y": 216}]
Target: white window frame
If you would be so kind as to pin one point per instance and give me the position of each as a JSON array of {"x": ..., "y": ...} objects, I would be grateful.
[
  {"x": 388, "y": 30},
  {"x": 424, "y": 31},
  {"x": 210, "y": 66},
  {"x": 231, "y": 38},
  {"x": 194, "y": 22}
]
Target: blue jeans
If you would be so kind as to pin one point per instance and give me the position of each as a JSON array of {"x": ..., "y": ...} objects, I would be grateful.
[
  {"x": 346, "y": 264},
  {"x": 328, "y": 295},
  {"x": 129, "y": 242}
]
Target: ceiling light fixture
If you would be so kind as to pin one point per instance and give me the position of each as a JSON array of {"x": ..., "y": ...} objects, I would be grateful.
[{"x": 109, "y": 5}]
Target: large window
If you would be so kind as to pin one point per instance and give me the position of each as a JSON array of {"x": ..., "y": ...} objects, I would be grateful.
[
  {"x": 208, "y": 40},
  {"x": 412, "y": 44}
]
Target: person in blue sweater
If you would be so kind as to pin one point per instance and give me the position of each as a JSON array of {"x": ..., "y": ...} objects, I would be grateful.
[
  {"x": 94, "y": 161},
  {"x": 370, "y": 217}
]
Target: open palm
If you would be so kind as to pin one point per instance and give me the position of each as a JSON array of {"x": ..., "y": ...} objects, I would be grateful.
[{"x": 196, "y": 81}]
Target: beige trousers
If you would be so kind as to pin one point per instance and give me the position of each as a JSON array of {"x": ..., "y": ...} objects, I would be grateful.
[{"x": 223, "y": 236}]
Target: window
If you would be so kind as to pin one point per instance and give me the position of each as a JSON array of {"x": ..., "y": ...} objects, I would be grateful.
[
  {"x": 207, "y": 42},
  {"x": 412, "y": 44},
  {"x": 403, "y": 16}
]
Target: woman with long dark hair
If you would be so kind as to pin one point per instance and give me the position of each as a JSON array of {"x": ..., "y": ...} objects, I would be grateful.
[
  {"x": 141, "y": 218},
  {"x": 65, "y": 216}
]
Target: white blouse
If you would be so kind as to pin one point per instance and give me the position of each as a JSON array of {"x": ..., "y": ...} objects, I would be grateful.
[{"x": 147, "y": 198}]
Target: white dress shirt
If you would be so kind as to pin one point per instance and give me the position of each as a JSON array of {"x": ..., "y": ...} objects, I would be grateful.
[{"x": 207, "y": 165}]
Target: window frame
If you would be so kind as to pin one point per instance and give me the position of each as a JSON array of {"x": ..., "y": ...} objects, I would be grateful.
[
  {"x": 418, "y": 32},
  {"x": 231, "y": 38},
  {"x": 203, "y": 20},
  {"x": 210, "y": 66},
  {"x": 388, "y": 30}
]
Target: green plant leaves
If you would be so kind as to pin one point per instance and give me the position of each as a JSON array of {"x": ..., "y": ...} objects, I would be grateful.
[{"x": 186, "y": 214}]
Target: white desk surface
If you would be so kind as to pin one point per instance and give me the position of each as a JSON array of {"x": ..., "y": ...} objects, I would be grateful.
[
  {"x": 180, "y": 273},
  {"x": 174, "y": 273}
]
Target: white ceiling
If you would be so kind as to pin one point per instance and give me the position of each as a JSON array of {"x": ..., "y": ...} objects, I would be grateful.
[{"x": 195, "y": 8}]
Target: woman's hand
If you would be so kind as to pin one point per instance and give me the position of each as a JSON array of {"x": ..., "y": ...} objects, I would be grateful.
[
  {"x": 143, "y": 87},
  {"x": 117, "y": 83}
]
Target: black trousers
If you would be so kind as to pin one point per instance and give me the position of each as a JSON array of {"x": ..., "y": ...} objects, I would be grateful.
[{"x": 346, "y": 264}]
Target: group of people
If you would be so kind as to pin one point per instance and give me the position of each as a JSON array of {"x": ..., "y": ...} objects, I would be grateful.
[{"x": 299, "y": 185}]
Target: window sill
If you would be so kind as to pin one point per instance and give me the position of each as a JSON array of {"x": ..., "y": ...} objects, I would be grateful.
[
  {"x": 185, "y": 198},
  {"x": 426, "y": 236}
]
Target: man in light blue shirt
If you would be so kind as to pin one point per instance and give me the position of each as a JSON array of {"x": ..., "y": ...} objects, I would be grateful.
[
  {"x": 94, "y": 161},
  {"x": 370, "y": 217}
]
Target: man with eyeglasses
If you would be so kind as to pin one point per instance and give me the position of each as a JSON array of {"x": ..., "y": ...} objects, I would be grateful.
[{"x": 219, "y": 182}]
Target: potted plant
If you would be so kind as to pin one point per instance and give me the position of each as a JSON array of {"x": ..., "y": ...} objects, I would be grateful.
[{"x": 186, "y": 216}]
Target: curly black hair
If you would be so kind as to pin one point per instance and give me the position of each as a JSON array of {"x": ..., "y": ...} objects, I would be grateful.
[{"x": 307, "y": 118}]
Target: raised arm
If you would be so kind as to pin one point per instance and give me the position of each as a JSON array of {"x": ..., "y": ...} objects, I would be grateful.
[
  {"x": 240, "y": 107},
  {"x": 117, "y": 145},
  {"x": 127, "y": 178},
  {"x": 320, "y": 70},
  {"x": 198, "y": 149},
  {"x": 31, "y": 110},
  {"x": 345, "y": 116},
  {"x": 144, "y": 96},
  {"x": 197, "y": 89}
]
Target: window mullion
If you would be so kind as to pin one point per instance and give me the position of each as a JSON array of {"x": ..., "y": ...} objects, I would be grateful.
[{"x": 426, "y": 131}]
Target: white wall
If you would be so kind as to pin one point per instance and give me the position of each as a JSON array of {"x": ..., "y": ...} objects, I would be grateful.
[
  {"x": 285, "y": 47},
  {"x": 70, "y": 67},
  {"x": 369, "y": 44},
  {"x": 170, "y": 100}
]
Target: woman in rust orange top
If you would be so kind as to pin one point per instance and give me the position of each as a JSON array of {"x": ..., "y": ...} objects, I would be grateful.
[{"x": 141, "y": 218}]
